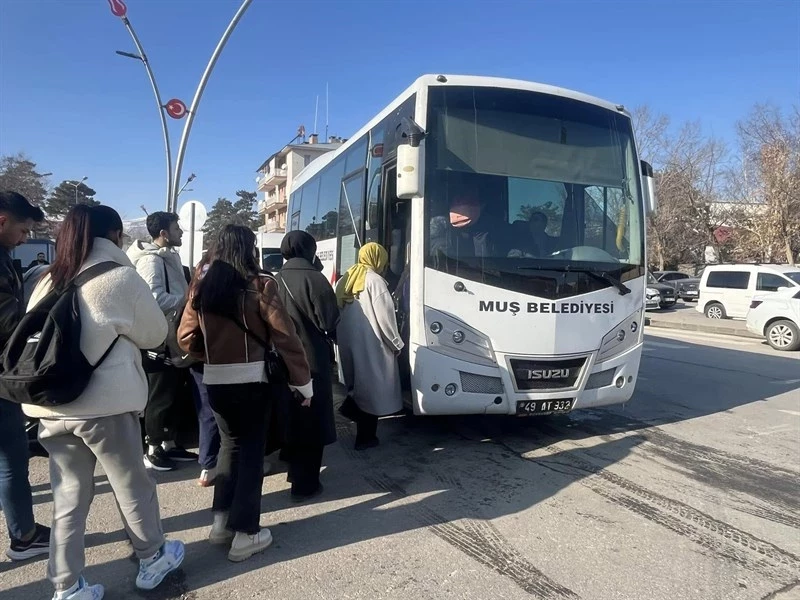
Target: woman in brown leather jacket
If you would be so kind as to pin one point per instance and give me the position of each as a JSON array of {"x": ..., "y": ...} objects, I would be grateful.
[{"x": 233, "y": 314}]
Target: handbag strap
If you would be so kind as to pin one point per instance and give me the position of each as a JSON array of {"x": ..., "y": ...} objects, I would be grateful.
[
  {"x": 249, "y": 332},
  {"x": 300, "y": 310}
]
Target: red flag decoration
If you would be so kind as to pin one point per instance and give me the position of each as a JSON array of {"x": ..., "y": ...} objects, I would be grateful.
[
  {"x": 118, "y": 8},
  {"x": 176, "y": 109}
]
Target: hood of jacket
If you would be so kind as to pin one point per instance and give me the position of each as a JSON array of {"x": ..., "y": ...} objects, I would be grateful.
[{"x": 140, "y": 249}]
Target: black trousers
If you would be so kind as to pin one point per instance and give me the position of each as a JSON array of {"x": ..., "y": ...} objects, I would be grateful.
[
  {"x": 166, "y": 385},
  {"x": 242, "y": 412},
  {"x": 305, "y": 463}
]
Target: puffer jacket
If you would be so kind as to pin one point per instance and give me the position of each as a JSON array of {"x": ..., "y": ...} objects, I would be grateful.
[
  {"x": 153, "y": 263},
  {"x": 219, "y": 341}
]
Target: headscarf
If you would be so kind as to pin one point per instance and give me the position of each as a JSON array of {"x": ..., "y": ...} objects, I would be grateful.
[
  {"x": 299, "y": 244},
  {"x": 464, "y": 211},
  {"x": 371, "y": 257}
]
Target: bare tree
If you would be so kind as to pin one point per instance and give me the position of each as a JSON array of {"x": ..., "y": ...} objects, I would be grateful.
[
  {"x": 687, "y": 168},
  {"x": 769, "y": 180}
]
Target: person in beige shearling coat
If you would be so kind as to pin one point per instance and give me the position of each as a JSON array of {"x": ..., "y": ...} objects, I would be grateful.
[{"x": 102, "y": 424}]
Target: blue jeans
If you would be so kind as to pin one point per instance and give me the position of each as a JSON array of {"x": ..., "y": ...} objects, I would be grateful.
[
  {"x": 15, "y": 489},
  {"x": 209, "y": 432}
]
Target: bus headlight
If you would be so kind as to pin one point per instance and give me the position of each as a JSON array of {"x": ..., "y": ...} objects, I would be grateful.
[
  {"x": 623, "y": 337},
  {"x": 447, "y": 335}
]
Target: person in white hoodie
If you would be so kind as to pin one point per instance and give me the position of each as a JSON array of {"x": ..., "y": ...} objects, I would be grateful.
[
  {"x": 102, "y": 424},
  {"x": 160, "y": 266}
]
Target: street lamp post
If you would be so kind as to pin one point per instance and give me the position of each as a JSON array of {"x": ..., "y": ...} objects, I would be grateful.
[
  {"x": 190, "y": 179},
  {"x": 76, "y": 186},
  {"x": 175, "y": 108}
]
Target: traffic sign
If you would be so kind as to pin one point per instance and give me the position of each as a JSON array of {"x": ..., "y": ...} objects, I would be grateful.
[
  {"x": 118, "y": 8},
  {"x": 176, "y": 109},
  {"x": 187, "y": 218}
]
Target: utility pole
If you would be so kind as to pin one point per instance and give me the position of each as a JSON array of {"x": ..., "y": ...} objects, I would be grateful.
[{"x": 175, "y": 108}]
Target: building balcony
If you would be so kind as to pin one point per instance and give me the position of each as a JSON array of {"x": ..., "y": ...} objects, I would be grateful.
[
  {"x": 271, "y": 179},
  {"x": 275, "y": 227}
]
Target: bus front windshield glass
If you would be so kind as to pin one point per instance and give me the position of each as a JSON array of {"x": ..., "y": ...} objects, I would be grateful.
[{"x": 531, "y": 192}]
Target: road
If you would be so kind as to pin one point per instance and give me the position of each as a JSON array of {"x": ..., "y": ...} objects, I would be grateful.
[{"x": 690, "y": 491}]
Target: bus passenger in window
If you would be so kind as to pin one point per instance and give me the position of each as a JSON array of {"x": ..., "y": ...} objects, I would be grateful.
[
  {"x": 466, "y": 234},
  {"x": 537, "y": 225},
  {"x": 369, "y": 343}
]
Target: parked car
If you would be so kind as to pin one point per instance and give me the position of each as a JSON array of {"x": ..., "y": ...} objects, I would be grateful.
[
  {"x": 652, "y": 299},
  {"x": 777, "y": 317},
  {"x": 666, "y": 293},
  {"x": 726, "y": 291},
  {"x": 685, "y": 286}
]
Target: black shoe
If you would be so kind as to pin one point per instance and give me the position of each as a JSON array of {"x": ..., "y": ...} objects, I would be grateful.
[
  {"x": 179, "y": 454},
  {"x": 158, "y": 460},
  {"x": 367, "y": 444},
  {"x": 297, "y": 498},
  {"x": 38, "y": 545}
]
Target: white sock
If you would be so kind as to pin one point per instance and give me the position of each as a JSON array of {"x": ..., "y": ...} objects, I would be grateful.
[
  {"x": 220, "y": 520},
  {"x": 72, "y": 590},
  {"x": 168, "y": 446},
  {"x": 151, "y": 449}
]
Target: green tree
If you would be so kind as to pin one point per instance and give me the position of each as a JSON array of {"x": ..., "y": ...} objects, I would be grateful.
[
  {"x": 19, "y": 174},
  {"x": 225, "y": 212},
  {"x": 245, "y": 209},
  {"x": 67, "y": 194}
]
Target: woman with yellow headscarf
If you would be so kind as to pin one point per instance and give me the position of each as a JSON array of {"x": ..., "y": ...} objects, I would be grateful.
[{"x": 369, "y": 343}]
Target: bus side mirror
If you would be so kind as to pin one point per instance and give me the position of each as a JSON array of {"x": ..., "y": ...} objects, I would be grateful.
[
  {"x": 649, "y": 188},
  {"x": 408, "y": 172}
]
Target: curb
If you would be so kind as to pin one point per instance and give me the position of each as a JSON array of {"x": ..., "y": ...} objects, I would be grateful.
[{"x": 701, "y": 327}]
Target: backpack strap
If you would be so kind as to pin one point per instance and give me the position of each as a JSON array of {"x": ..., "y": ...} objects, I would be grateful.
[
  {"x": 94, "y": 271},
  {"x": 166, "y": 275}
]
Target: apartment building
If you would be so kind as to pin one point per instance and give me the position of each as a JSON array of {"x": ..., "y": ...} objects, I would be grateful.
[{"x": 278, "y": 171}]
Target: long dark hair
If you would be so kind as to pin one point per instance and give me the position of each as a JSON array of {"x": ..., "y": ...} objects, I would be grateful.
[
  {"x": 233, "y": 264},
  {"x": 76, "y": 239}
]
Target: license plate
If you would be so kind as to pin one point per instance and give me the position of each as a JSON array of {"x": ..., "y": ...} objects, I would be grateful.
[
  {"x": 544, "y": 407},
  {"x": 691, "y": 293}
]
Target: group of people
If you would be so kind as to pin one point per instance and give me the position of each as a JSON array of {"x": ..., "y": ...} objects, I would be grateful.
[{"x": 255, "y": 350}]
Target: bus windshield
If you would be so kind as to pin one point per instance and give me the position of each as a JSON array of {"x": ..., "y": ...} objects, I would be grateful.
[{"x": 523, "y": 186}]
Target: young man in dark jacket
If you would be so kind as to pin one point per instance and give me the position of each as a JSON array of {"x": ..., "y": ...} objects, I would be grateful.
[{"x": 28, "y": 538}]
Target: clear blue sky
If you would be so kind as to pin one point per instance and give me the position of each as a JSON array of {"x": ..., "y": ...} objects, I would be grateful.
[{"x": 78, "y": 109}]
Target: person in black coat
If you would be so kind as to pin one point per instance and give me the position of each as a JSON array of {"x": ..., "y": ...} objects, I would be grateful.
[{"x": 311, "y": 302}]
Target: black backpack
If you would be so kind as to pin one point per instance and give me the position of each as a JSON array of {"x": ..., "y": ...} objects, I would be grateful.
[{"x": 42, "y": 364}]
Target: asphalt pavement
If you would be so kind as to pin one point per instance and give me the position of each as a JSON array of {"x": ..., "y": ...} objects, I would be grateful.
[{"x": 689, "y": 491}]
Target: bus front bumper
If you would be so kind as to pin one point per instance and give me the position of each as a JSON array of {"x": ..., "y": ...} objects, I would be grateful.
[{"x": 449, "y": 386}]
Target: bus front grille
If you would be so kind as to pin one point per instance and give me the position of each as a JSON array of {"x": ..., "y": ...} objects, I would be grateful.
[{"x": 481, "y": 384}]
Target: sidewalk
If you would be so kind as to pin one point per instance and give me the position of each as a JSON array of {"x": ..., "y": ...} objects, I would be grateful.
[{"x": 685, "y": 317}]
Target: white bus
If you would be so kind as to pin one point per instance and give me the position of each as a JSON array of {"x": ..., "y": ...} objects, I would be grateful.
[{"x": 514, "y": 216}]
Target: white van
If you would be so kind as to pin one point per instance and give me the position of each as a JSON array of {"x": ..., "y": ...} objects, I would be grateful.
[{"x": 726, "y": 290}]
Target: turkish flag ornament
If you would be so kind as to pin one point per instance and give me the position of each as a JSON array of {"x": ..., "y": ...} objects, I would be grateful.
[{"x": 118, "y": 8}]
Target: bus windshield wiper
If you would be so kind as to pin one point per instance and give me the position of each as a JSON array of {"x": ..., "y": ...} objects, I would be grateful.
[{"x": 600, "y": 275}]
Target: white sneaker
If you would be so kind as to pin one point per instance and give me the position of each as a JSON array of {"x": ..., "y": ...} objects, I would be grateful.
[
  {"x": 153, "y": 571},
  {"x": 83, "y": 591},
  {"x": 220, "y": 534},
  {"x": 244, "y": 546}
]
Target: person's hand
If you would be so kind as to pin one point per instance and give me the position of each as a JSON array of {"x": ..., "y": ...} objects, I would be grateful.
[{"x": 306, "y": 402}]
